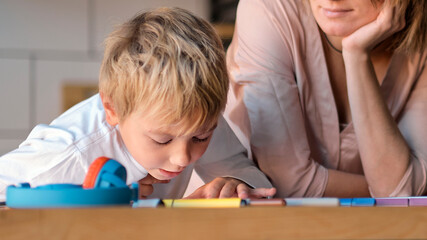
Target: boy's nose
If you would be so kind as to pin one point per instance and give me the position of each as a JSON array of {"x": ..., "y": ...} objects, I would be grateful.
[{"x": 182, "y": 155}]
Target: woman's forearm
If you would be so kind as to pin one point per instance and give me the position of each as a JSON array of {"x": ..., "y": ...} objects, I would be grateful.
[
  {"x": 345, "y": 185},
  {"x": 383, "y": 150}
]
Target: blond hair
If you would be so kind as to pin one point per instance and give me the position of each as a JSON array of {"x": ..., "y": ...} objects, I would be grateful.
[{"x": 167, "y": 63}]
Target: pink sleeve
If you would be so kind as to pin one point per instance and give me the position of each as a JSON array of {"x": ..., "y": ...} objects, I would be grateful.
[
  {"x": 413, "y": 126},
  {"x": 264, "y": 102}
]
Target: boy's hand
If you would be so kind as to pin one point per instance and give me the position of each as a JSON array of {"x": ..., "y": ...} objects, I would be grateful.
[
  {"x": 146, "y": 186},
  {"x": 226, "y": 187}
]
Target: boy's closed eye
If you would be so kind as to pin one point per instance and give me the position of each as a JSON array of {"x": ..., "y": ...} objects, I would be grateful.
[
  {"x": 194, "y": 139},
  {"x": 164, "y": 139},
  {"x": 163, "y": 143}
]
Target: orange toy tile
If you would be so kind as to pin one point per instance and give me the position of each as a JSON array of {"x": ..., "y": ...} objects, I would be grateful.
[{"x": 93, "y": 172}]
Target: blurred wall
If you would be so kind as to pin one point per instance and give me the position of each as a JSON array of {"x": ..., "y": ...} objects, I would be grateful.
[{"x": 45, "y": 44}]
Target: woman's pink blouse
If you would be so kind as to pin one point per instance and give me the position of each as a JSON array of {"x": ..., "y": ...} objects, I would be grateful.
[{"x": 282, "y": 107}]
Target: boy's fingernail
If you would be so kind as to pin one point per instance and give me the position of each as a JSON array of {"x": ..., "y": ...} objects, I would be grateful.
[{"x": 244, "y": 194}]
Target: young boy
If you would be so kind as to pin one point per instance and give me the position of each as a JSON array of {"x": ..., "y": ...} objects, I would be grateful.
[{"x": 163, "y": 86}]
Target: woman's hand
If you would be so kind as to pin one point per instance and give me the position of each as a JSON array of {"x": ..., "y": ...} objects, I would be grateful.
[
  {"x": 370, "y": 35},
  {"x": 226, "y": 187},
  {"x": 383, "y": 150}
]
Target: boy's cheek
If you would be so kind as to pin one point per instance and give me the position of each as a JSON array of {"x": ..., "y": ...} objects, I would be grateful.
[
  {"x": 199, "y": 152},
  {"x": 150, "y": 160}
]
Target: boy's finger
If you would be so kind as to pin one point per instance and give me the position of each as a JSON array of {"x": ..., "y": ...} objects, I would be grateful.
[
  {"x": 213, "y": 189},
  {"x": 262, "y": 192},
  {"x": 151, "y": 180},
  {"x": 209, "y": 190},
  {"x": 243, "y": 191},
  {"x": 145, "y": 190},
  {"x": 196, "y": 194},
  {"x": 228, "y": 190}
]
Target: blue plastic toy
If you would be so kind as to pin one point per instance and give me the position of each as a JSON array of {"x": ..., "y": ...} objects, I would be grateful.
[{"x": 104, "y": 185}]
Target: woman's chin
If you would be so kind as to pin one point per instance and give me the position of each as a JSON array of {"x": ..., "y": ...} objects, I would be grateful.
[{"x": 338, "y": 32}]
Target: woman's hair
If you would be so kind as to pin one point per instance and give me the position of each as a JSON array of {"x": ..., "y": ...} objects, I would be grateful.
[
  {"x": 413, "y": 37},
  {"x": 169, "y": 64}
]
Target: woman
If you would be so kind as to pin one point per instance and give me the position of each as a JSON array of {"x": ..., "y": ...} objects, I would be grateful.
[{"x": 331, "y": 96}]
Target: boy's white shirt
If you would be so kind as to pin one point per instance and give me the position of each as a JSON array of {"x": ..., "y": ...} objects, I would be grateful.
[{"x": 62, "y": 152}]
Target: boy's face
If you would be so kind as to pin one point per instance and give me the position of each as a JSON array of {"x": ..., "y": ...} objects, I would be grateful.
[{"x": 159, "y": 150}]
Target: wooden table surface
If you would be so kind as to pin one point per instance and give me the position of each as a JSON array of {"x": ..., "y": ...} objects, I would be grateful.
[{"x": 243, "y": 223}]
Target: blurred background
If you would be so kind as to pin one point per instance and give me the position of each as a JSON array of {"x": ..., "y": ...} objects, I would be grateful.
[{"x": 51, "y": 50}]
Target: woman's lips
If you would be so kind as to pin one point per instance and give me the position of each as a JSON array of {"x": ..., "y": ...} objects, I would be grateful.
[
  {"x": 169, "y": 174},
  {"x": 335, "y": 13}
]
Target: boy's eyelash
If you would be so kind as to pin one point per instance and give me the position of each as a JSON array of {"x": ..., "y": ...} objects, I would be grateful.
[
  {"x": 195, "y": 139},
  {"x": 200, "y": 140},
  {"x": 163, "y": 143}
]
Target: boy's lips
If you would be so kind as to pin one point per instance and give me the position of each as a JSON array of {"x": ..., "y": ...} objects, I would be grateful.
[{"x": 169, "y": 174}]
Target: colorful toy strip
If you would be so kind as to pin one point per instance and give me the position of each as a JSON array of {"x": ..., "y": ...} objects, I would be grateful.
[{"x": 313, "y": 202}]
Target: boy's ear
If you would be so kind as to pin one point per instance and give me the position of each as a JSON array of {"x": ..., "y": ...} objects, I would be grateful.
[{"x": 110, "y": 113}]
